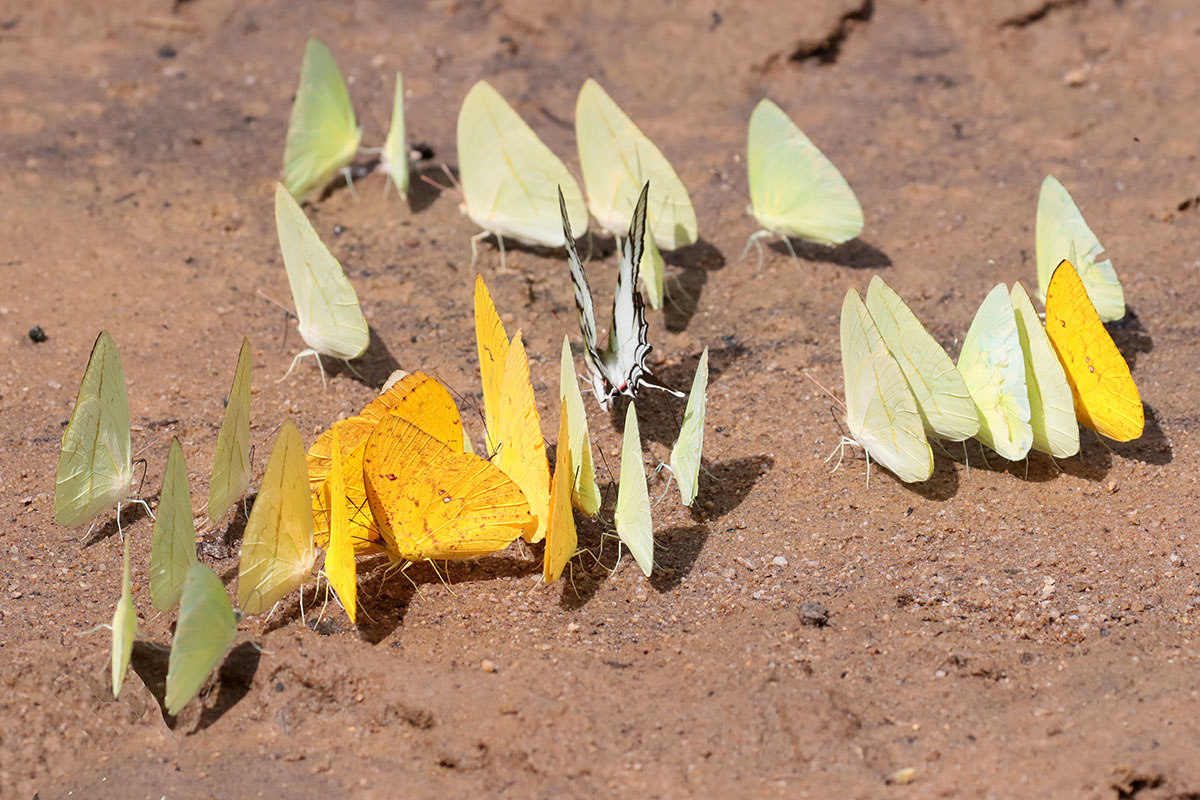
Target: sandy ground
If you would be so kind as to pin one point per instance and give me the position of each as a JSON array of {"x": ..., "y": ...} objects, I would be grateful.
[{"x": 1022, "y": 630}]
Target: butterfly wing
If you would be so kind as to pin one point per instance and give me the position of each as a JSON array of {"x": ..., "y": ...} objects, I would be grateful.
[
  {"x": 322, "y": 134},
  {"x": 947, "y": 410},
  {"x": 340, "y": 569},
  {"x": 492, "y": 344},
  {"x": 1106, "y": 398},
  {"x": 509, "y": 175},
  {"x": 617, "y": 160},
  {"x": 432, "y": 501},
  {"x": 585, "y": 494},
  {"x": 520, "y": 448},
  {"x": 395, "y": 147},
  {"x": 173, "y": 544},
  {"x": 206, "y": 628},
  {"x": 277, "y": 545},
  {"x": 1060, "y": 225},
  {"x": 992, "y": 364},
  {"x": 653, "y": 271},
  {"x": 632, "y": 514},
  {"x": 231, "y": 460},
  {"x": 124, "y": 627},
  {"x": 561, "y": 538},
  {"x": 331, "y": 321},
  {"x": 1051, "y": 404},
  {"x": 94, "y": 466},
  {"x": 685, "y": 455},
  {"x": 794, "y": 189},
  {"x": 585, "y": 308},
  {"x": 880, "y": 409}
]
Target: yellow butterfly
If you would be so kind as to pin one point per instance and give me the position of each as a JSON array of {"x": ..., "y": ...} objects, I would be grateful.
[
  {"x": 514, "y": 429},
  {"x": 340, "y": 569},
  {"x": 1106, "y": 398},
  {"x": 561, "y": 537}
]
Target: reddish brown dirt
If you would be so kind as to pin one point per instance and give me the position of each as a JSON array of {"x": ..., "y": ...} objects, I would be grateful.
[{"x": 1019, "y": 630}]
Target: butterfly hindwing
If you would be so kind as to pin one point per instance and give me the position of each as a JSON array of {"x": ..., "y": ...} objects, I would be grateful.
[
  {"x": 322, "y": 134},
  {"x": 173, "y": 543}
]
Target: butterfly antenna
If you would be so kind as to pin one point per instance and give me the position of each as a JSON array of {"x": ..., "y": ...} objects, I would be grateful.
[
  {"x": 832, "y": 396},
  {"x": 287, "y": 311}
]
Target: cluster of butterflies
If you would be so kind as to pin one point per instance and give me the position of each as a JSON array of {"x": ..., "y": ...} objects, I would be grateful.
[
  {"x": 401, "y": 477},
  {"x": 509, "y": 177},
  {"x": 1018, "y": 384}
]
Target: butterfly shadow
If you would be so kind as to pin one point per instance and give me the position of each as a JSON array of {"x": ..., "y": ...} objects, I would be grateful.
[
  {"x": 942, "y": 484},
  {"x": 724, "y": 485},
  {"x": 421, "y": 195},
  {"x": 371, "y": 369},
  {"x": 129, "y": 514},
  {"x": 855, "y": 254},
  {"x": 234, "y": 680},
  {"x": 682, "y": 290},
  {"x": 1130, "y": 336},
  {"x": 675, "y": 553},
  {"x": 1152, "y": 447},
  {"x": 596, "y": 555},
  {"x": 217, "y": 544}
]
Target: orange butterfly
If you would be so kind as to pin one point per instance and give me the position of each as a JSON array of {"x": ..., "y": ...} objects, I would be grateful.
[{"x": 1106, "y": 398}]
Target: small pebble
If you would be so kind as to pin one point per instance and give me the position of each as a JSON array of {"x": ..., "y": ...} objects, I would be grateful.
[
  {"x": 902, "y": 777},
  {"x": 814, "y": 614},
  {"x": 779, "y": 561},
  {"x": 487, "y": 665},
  {"x": 37, "y": 335}
]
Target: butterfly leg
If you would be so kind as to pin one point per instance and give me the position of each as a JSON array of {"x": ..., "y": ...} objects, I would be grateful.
[
  {"x": 500, "y": 241},
  {"x": 348, "y": 174},
  {"x": 755, "y": 241},
  {"x": 296, "y": 361},
  {"x": 475, "y": 240},
  {"x": 788, "y": 244}
]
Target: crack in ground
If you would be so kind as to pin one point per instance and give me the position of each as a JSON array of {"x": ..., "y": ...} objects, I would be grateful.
[
  {"x": 827, "y": 49},
  {"x": 1041, "y": 12}
]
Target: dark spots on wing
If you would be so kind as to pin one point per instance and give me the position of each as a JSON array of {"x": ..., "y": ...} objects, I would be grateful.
[{"x": 391, "y": 476}]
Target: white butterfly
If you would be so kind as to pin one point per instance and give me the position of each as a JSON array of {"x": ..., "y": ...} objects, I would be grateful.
[{"x": 621, "y": 366}]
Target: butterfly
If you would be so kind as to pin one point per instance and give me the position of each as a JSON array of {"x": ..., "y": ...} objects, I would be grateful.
[
  {"x": 331, "y": 321},
  {"x": 340, "y": 569},
  {"x": 794, "y": 189},
  {"x": 1062, "y": 233},
  {"x": 946, "y": 408},
  {"x": 418, "y": 398},
  {"x": 621, "y": 367},
  {"x": 881, "y": 413},
  {"x": 508, "y": 175},
  {"x": 173, "y": 543},
  {"x": 231, "y": 460},
  {"x": 1051, "y": 404},
  {"x": 617, "y": 160},
  {"x": 514, "y": 429},
  {"x": 561, "y": 537},
  {"x": 394, "y": 158},
  {"x": 206, "y": 628},
  {"x": 632, "y": 514},
  {"x": 95, "y": 468},
  {"x": 432, "y": 501},
  {"x": 277, "y": 545},
  {"x": 1106, "y": 398},
  {"x": 585, "y": 494},
  {"x": 685, "y": 454},
  {"x": 992, "y": 364},
  {"x": 322, "y": 135},
  {"x": 124, "y": 627}
]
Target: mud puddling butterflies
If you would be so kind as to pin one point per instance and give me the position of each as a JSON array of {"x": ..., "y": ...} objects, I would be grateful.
[
  {"x": 1062, "y": 234},
  {"x": 621, "y": 367},
  {"x": 794, "y": 189},
  {"x": 322, "y": 135}
]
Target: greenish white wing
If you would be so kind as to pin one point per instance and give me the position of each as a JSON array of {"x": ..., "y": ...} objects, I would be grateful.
[
  {"x": 585, "y": 494},
  {"x": 880, "y": 410},
  {"x": 395, "y": 147},
  {"x": 632, "y": 514},
  {"x": 942, "y": 398},
  {"x": 617, "y": 160},
  {"x": 231, "y": 460},
  {"x": 794, "y": 189},
  {"x": 206, "y": 628},
  {"x": 277, "y": 545},
  {"x": 331, "y": 321},
  {"x": 322, "y": 135},
  {"x": 124, "y": 627},
  {"x": 685, "y": 455},
  {"x": 173, "y": 547},
  {"x": 509, "y": 176},
  {"x": 1060, "y": 225},
  {"x": 992, "y": 364},
  {"x": 653, "y": 272},
  {"x": 94, "y": 466},
  {"x": 1051, "y": 404}
]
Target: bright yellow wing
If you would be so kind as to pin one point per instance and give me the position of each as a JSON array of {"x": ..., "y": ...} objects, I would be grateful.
[
  {"x": 339, "y": 557},
  {"x": 433, "y": 501},
  {"x": 561, "y": 538},
  {"x": 418, "y": 398},
  {"x": 1106, "y": 398},
  {"x": 492, "y": 343},
  {"x": 520, "y": 448},
  {"x": 277, "y": 546}
]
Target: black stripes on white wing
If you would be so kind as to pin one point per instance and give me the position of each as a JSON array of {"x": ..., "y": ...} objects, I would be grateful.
[{"x": 621, "y": 367}]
